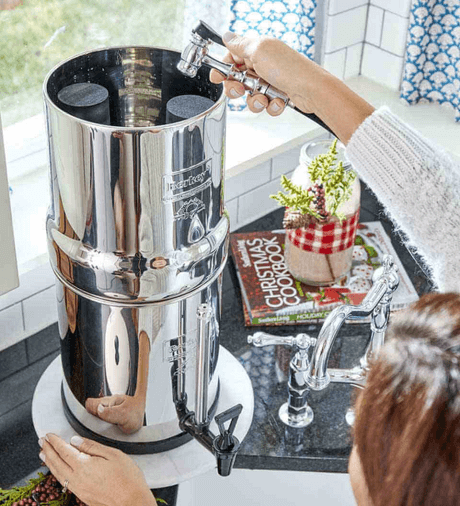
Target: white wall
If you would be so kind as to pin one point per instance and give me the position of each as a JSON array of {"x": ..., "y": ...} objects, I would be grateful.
[
  {"x": 8, "y": 268},
  {"x": 366, "y": 37},
  {"x": 344, "y": 29},
  {"x": 267, "y": 488},
  {"x": 385, "y": 42}
]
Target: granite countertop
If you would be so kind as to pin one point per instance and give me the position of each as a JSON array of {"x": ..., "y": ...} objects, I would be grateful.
[{"x": 324, "y": 445}]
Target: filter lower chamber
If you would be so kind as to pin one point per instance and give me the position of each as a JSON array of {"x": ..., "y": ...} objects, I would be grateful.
[
  {"x": 138, "y": 240},
  {"x": 137, "y": 359}
]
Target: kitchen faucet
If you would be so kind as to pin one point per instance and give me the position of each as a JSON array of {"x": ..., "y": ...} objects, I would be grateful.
[{"x": 306, "y": 374}]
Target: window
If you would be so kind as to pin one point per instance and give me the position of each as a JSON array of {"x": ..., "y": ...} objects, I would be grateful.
[{"x": 36, "y": 35}]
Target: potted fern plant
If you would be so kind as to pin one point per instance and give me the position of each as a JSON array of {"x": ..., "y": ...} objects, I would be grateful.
[{"x": 322, "y": 212}]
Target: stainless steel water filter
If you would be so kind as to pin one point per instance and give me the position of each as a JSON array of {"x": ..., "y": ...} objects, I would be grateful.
[{"x": 138, "y": 239}]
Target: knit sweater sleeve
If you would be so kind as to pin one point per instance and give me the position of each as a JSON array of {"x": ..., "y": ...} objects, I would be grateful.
[{"x": 419, "y": 185}]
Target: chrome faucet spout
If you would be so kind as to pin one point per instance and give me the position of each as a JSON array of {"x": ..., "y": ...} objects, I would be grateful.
[{"x": 376, "y": 303}]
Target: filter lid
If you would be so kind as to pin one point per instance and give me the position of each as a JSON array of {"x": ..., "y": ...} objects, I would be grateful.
[{"x": 186, "y": 107}]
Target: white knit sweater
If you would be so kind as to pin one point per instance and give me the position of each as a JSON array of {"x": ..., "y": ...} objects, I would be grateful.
[{"x": 419, "y": 185}]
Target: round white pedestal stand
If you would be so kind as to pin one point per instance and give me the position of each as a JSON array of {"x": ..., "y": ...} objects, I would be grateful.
[{"x": 160, "y": 469}]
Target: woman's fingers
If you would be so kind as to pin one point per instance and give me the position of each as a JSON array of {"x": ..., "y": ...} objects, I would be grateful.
[
  {"x": 89, "y": 447},
  {"x": 241, "y": 47},
  {"x": 234, "y": 89},
  {"x": 257, "y": 102},
  {"x": 276, "y": 107},
  {"x": 55, "y": 463},
  {"x": 216, "y": 77},
  {"x": 66, "y": 452}
]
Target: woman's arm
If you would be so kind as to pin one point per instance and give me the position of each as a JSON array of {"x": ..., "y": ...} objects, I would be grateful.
[
  {"x": 418, "y": 183},
  {"x": 310, "y": 87}
]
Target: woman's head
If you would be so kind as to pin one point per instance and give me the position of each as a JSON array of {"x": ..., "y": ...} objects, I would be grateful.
[{"x": 407, "y": 429}]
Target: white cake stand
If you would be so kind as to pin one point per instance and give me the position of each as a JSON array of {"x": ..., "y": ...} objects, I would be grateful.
[{"x": 160, "y": 469}]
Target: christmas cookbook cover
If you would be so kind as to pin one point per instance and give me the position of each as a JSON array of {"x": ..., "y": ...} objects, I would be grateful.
[{"x": 271, "y": 296}]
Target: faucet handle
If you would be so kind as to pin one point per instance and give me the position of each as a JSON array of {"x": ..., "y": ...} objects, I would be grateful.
[
  {"x": 301, "y": 341},
  {"x": 260, "y": 339}
]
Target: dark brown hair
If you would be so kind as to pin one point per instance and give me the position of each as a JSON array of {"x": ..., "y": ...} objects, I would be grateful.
[{"x": 407, "y": 428}]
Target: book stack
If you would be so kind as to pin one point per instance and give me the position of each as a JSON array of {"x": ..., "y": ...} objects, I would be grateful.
[{"x": 271, "y": 296}]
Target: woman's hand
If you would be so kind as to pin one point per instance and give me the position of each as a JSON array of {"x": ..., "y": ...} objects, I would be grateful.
[
  {"x": 96, "y": 474},
  {"x": 274, "y": 61}
]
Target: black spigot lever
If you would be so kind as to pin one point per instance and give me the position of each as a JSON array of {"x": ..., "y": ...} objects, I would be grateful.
[
  {"x": 226, "y": 439},
  {"x": 206, "y": 32},
  {"x": 226, "y": 446}
]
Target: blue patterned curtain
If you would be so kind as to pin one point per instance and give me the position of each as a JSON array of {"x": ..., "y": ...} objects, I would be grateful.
[
  {"x": 432, "y": 68},
  {"x": 292, "y": 21}
]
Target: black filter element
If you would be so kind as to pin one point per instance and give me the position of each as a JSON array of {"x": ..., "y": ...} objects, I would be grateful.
[
  {"x": 87, "y": 101},
  {"x": 186, "y": 107}
]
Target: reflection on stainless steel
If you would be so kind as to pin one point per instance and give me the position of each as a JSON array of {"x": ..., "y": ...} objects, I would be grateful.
[
  {"x": 305, "y": 375},
  {"x": 138, "y": 239}
]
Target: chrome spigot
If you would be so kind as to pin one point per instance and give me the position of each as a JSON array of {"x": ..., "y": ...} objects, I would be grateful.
[
  {"x": 295, "y": 412},
  {"x": 196, "y": 54},
  {"x": 305, "y": 374}
]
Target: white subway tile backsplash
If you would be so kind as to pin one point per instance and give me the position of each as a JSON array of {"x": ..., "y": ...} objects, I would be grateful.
[
  {"x": 394, "y": 33},
  {"x": 30, "y": 283},
  {"x": 336, "y": 6},
  {"x": 285, "y": 162},
  {"x": 381, "y": 66},
  {"x": 247, "y": 180},
  {"x": 40, "y": 310},
  {"x": 353, "y": 61},
  {"x": 401, "y": 7},
  {"x": 11, "y": 325},
  {"x": 374, "y": 25},
  {"x": 257, "y": 203},
  {"x": 346, "y": 29},
  {"x": 335, "y": 62}
]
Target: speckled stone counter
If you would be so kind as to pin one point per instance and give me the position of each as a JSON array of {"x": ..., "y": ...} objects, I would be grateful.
[{"x": 325, "y": 445}]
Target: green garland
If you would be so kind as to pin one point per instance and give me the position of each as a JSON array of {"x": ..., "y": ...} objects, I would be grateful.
[
  {"x": 16, "y": 494},
  {"x": 337, "y": 183}
]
